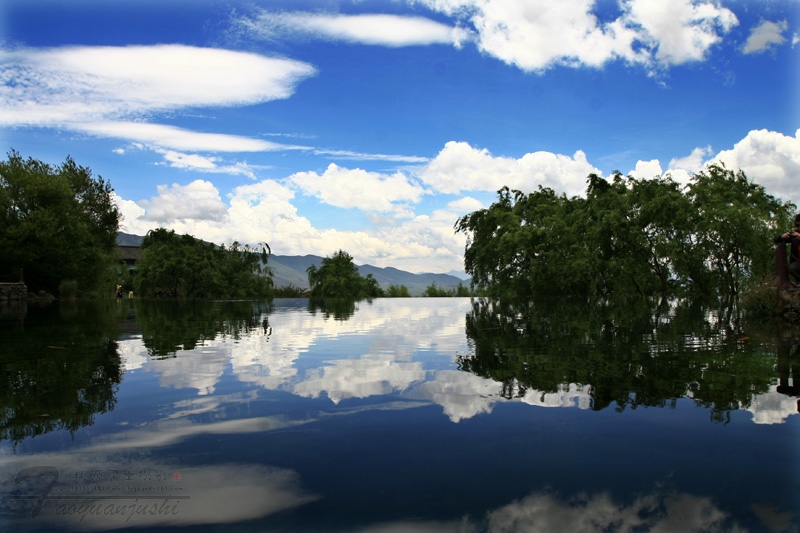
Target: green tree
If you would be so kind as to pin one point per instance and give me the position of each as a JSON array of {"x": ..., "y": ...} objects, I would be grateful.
[
  {"x": 734, "y": 221},
  {"x": 338, "y": 277},
  {"x": 626, "y": 237},
  {"x": 184, "y": 266},
  {"x": 56, "y": 223},
  {"x": 393, "y": 291}
]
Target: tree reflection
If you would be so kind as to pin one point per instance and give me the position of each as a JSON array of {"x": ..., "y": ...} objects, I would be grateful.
[
  {"x": 630, "y": 354},
  {"x": 168, "y": 325},
  {"x": 338, "y": 308},
  {"x": 59, "y": 367},
  {"x": 788, "y": 365}
]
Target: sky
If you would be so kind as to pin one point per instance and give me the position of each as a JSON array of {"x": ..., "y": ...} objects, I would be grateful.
[{"x": 371, "y": 126}]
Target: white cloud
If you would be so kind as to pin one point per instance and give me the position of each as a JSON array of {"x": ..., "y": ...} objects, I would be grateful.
[
  {"x": 85, "y": 84},
  {"x": 201, "y": 163},
  {"x": 678, "y": 31},
  {"x": 542, "y": 511},
  {"x": 356, "y": 188},
  {"x": 265, "y": 211},
  {"x": 765, "y": 36},
  {"x": 694, "y": 162},
  {"x": 175, "y": 138},
  {"x": 769, "y": 158},
  {"x": 199, "y": 200},
  {"x": 646, "y": 169},
  {"x": 382, "y": 30},
  {"x": 467, "y": 204},
  {"x": 360, "y": 156},
  {"x": 537, "y": 34},
  {"x": 460, "y": 167}
]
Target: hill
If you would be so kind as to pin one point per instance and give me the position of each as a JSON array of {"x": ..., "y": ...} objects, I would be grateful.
[{"x": 291, "y": 270}]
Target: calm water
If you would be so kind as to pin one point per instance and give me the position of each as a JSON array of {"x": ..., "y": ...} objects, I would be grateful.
[{"x": 397, "y": 415}]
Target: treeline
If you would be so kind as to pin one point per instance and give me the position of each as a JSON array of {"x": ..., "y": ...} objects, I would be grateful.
[
  {"x": 183, "y": 266},
  {"x": 338, "y": 277},
  {"x": 627, "y": 237}
]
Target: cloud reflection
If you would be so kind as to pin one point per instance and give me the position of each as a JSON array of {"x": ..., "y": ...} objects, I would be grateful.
[
  {"x": 388, "y": 347},
  {"x": 547, "y": 513},
  {"x": 185, "y": 495}
]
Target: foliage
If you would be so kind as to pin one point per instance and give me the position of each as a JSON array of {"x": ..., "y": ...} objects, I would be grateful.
[
  {"x": 622, "y": 353},
  {"x": 434, "y": 291},
  {"x": 59, "y": 367},
  {"x": 182, "y": 266},
  {"x": 627, "y": 237},
  {"x": 290, "y": 291},
  {"x": 393, "y": 291},
  {"x": 68, "y": 289},
  {"x": 338, "y": 277},
  {"x": 56, "y": 223},
  {"x": 172, "y": 325},
  {"x": 761, "y": 300}
]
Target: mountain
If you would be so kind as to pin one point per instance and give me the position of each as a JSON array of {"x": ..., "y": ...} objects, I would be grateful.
[
  {"x": 291, "y": 270},
  {"x": 127, "y": 239}
]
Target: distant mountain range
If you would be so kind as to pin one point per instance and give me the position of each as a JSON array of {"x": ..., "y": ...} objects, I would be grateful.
[{"x": 291, "y": 270}]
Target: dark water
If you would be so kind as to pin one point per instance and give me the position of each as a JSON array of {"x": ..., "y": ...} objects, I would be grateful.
[{"x": 397, "y": 415}]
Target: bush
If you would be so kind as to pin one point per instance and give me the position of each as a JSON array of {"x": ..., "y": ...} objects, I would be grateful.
[
  {"x": 761, "y": 300},
  {"x": 290, "y": 291}
]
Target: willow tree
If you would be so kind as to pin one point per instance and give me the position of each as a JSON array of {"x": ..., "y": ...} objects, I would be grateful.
[{"x": 626, "y": 237}]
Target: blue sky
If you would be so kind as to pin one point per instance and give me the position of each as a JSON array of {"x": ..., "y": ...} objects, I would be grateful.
[{"x": 371, "y": 126}]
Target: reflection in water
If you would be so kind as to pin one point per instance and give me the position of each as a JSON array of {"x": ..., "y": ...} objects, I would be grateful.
[
  {"x": 338, "y": 308},
  {"x": 59, "y": 368},
  {"x": 629, "y": 356},
  {"x": 129, "y": 490},
  {"x": 169, "y": 326},
  {"x": 301, "y": 419}
]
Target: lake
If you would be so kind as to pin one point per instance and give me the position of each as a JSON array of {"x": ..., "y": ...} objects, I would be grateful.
[{"x": 414, "y": 414}]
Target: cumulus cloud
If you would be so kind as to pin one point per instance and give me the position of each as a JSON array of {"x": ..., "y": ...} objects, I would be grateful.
[
  {"x": 694, "y": 162},
  {"x": 646, "y": 169},
  {"x": 86, "y": 84},
  {"x": 533, "y": 35},
  {"x": 266, "y": 210},
  {"x": 538, "y": 34},
  {"x": 543, "y": 511},
  {"x": 765, "y": 36},
  {"x": 467, "y": 204},
  {"x": 356, "y": 188},
  {"x": 770, "y": 158},
  {"x": 382, "y": 30},
  {"x": 199, "y": 200},
  {"x": 678, "y": 31},
  {"x": 461, "y": 167}
]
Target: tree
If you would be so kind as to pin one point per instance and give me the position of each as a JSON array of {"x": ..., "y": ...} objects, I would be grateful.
[
  {"x": 626, "y": 237},
  {"x": 184, "y": 266},
  {"x": 393, "y": 291},
  {"x": 56, "y": 223},
  {"x": 734, "y": 221},
  {"x": 338, "y": 277}
]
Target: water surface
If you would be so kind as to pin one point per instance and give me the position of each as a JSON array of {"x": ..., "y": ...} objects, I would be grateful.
[{"x": 397, "y": 415}]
